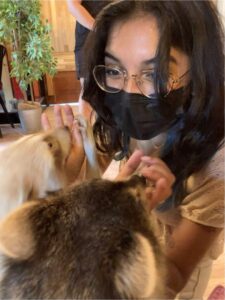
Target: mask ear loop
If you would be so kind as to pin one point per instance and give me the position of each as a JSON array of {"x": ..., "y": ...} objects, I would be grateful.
[{"x": 125, "y": 148}]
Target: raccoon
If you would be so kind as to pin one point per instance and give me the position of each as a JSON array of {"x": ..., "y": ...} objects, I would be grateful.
[
  {"x": 93, "y": 241},
  {"x": 33, "y": 166}
]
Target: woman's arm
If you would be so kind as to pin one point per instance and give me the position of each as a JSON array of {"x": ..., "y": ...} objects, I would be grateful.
[
  {"x": 80, "y": 13},
  {"x": 187, "y": 245}
]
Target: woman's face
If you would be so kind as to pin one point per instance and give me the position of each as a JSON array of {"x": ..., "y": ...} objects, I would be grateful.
[{"x": 132, "y": 46}]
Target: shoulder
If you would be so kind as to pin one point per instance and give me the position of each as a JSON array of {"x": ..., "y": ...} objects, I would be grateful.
[
  {"x": 215, "y": 167},
  {"x": 204, "y": 202},
  {"x": 213, "y": 171}
]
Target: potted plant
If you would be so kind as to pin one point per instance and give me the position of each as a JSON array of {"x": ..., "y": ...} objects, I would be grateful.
[{"x": 22, "y": 28}]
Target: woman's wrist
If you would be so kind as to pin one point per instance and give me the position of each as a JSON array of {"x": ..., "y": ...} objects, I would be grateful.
[{"x": 74, "y": 164}]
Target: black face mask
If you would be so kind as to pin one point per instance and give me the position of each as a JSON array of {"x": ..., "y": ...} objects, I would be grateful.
[{"x": 141, "y": 117}]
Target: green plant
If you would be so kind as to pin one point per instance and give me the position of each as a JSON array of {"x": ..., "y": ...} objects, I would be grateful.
[{"x": 22, "y": 27}]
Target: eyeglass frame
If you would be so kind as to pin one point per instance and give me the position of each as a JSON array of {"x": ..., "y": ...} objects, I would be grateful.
[{"x": 135, "y": 77}]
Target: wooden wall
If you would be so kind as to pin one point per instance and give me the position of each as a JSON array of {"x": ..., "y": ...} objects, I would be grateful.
[
  {"x": 63, "y": 87},
  {"x": 62, "y": 22},
  {"x": 62, "y": 34}
]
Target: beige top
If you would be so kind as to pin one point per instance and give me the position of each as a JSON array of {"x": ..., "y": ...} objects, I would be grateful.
[{"x": 204, "y": 203}]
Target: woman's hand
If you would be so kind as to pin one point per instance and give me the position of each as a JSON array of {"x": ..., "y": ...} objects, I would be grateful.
[
  {"x": 76, "y": 157},
  {"x": 155, "y": 171},
  {"x": 58, "y": 117}
]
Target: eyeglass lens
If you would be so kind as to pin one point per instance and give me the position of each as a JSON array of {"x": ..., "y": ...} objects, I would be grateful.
[{"x": 112, "y": 80}]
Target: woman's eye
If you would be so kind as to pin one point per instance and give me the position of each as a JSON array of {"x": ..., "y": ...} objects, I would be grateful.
[
  {"x": 148, "y": 75},
  {"x": 112, "y": 73}
]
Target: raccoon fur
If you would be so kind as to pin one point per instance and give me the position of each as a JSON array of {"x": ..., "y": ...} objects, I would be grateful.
[
  {"x": 93, "y": 241},
  {"x": 33, "y": 166}
]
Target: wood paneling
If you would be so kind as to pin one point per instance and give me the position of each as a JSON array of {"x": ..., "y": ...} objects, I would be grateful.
[
  {"x": 62, "y": 22},
  {"x": 65, "y": 61},
  {"x": 63, "y": 87},
  {"x": 66, "y": 88}
]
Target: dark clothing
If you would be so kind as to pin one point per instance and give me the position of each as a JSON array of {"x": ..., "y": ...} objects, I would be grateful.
[{"x": 81, "y": 33}]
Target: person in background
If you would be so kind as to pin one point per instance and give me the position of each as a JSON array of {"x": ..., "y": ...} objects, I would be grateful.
[
  {"x": 85, "y": 13},
  {"x": 155, "y": 79}
]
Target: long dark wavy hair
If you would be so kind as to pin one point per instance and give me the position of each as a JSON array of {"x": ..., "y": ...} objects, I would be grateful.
[{"x": 194, "y": 28}]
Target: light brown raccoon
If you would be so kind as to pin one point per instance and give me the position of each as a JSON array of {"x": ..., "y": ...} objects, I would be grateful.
[
  {"x": 94, "y": 241},
  {"x": 33, "y": 166}
]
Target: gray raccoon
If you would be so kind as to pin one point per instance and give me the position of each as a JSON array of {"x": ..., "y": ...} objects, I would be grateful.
[{"x": 93, "y": 241}]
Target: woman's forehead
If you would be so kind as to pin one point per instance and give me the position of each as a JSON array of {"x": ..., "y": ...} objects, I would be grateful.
[
  {"x": 134, "y": 43},
  {"x": 135, "y": 39},
  {"x": 134, "y": 29}
]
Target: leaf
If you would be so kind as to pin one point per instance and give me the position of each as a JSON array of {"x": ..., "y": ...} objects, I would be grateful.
[{"x": 21, "y": 25}]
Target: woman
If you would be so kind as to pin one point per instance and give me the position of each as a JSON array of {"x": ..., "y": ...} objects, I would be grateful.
[
  {"x": 84, "y": 12},
  {"x": 155, "y": 79}
]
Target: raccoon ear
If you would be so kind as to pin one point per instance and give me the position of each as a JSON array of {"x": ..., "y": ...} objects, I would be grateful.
[
  {"x": 16, "y": 238},
  {"x": 137, "y": 275}
]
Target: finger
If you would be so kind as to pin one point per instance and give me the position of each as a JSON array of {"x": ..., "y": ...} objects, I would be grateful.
[
  {"x": 149, "y": 203},
  {"x": 155, "y": 172},
  {"x": 157, "y": 195},
  {"x": 154, "y": 161},
  {"x": 76, "y": 134},
  {"x": 69, "y": 115},
  {"x": 131, "y": 165},
  {"x": 58, "y": 116},
  {"x": 45, "y": 121},
  {"x": 161, "y": 192}
]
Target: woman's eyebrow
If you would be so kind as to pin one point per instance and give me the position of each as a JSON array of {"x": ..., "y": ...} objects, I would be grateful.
[
  {"x": 107, "y": 54},
  {"x": 150, "y": 61},
  {"x": 154, "y": 59},
  {"x": 145, "y": 62}
]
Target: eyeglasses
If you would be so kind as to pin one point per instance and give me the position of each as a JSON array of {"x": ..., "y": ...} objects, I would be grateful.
[{"x": 112, "y": 79}]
